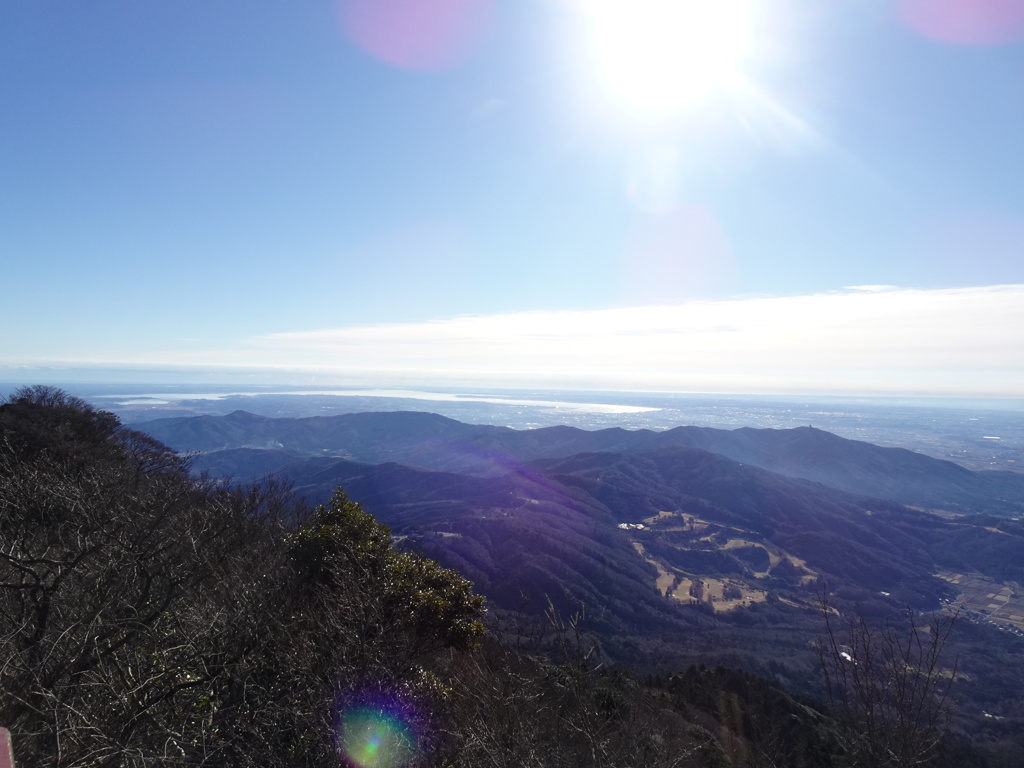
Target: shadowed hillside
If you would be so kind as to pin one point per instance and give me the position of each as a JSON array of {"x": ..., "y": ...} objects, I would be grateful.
[
  {"x": 146, "y": 611},
  {"x": 629, "y": 522},
  {"x": 435, "y": 442}
]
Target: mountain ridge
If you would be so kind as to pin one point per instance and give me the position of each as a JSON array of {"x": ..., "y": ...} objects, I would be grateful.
[
  {"x": 437, "y": 442},
  {"x": 679, "y": 554}
]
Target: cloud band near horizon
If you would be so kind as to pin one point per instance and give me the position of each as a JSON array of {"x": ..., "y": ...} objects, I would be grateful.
[{"x": 861, "y": 340}]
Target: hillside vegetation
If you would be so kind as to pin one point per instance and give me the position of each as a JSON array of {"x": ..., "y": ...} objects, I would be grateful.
[
  {"x": 150, "y": 617},
  {"x": 434, "y": 442}
]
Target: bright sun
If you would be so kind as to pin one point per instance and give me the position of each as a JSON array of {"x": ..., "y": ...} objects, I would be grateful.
[{"x": 659, "y": 56}]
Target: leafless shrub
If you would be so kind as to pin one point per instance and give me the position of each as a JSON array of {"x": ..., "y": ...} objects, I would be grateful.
[{"x": 890, "y": 686}]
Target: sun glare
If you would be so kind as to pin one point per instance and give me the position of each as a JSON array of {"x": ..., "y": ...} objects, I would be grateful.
[{"x": 656, "y": 57}]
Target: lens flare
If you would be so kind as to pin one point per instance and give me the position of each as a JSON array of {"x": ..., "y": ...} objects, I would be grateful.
[
  {"x": 374, "y": 737},
  {"x": 653, "y": 180},
  {"x": 417, "y": 34},
  {"x": 657, "y": 56},
  {"x": 676, "y": 254},
  {"x": 966, "y": 22}
]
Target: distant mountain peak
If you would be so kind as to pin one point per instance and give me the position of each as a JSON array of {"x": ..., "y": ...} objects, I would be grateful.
[
  {"x": 432, "y": 441},
  {"x": 241, "y": 415}
]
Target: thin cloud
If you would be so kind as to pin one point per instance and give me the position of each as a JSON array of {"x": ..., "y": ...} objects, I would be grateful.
[
  {"x": 860, "y": 340},
  {"x": 875, "y": 337}
]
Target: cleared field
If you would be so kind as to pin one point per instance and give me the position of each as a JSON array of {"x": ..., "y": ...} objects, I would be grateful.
[
  {"x": 683, "y": 592},
  {"x": 726, "y": 594},
  {"x": 665, "y": 579},
  {"x": 1002, "y": 603},
  {"x": 721, "y": 594}
]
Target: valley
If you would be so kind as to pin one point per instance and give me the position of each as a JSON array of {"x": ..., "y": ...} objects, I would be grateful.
[
  {"x": 982, "y": 599},
  {"x": 686, "y": 546}
]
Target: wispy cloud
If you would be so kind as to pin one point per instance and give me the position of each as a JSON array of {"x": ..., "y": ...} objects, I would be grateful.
[
  {"x": 864, "y": 339},
  {"x": 879, "y": 338}
]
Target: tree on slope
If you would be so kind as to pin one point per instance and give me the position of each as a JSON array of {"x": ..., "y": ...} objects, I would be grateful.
[
  {"x": 150, "y": 617},
  {"x": 891, "y": 687}
]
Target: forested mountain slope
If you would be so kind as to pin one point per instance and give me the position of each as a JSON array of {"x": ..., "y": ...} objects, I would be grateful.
[
  {"x": 681, "y": 554},
  {"x": 610, "y": 528},
  {"x": 153, "y": 618},
  {"x": 435, "y": 442}
]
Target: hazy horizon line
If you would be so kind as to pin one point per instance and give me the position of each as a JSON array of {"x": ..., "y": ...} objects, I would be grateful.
[{"x": 858, "y": 341}]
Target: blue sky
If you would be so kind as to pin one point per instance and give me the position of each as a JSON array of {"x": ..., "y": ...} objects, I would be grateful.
[{"x": 324, "y": 190}]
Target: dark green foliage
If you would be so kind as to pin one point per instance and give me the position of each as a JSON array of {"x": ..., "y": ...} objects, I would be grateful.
[
  {"x": 340, "y": 537},
  {"x": 429, "y": 607}
]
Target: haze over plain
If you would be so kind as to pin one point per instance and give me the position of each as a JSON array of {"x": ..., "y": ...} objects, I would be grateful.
[{"x": 778, "y": 196}]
